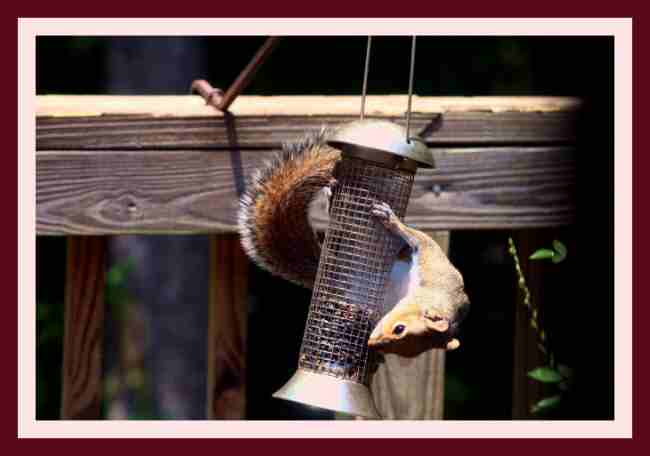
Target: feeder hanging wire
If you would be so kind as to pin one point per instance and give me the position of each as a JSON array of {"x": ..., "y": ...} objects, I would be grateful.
[
  {"x": 365, "y": 81},
  {"x": 364, "y": 88},
  {"x": 408, "y": 110}
]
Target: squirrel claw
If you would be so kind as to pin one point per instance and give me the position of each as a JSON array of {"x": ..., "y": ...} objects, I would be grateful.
[
  {"x": 383, "y": 212},
  {"x": 328, "y": 193}
]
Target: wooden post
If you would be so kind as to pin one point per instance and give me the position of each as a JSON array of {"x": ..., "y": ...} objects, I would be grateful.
[
  {"x": 412, "y": 388},
  {"x": 83, "y": 328},
  {"x": 227, "y": 327}
]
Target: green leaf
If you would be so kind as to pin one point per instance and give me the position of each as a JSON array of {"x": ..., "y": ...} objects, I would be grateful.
[
  {"x": 115, "y": 276},
  {"x": 546, "y": 404},
  {"x": 129, "y": 266},
  {"x": 560, "y": 250},
  {"x": 119, "y": 273},
  {"x": 542, "y": 254},
  {"x": 545, "y": 374}
]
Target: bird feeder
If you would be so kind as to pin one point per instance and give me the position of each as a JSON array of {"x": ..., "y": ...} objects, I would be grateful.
[{"x": 378, "y": 164}]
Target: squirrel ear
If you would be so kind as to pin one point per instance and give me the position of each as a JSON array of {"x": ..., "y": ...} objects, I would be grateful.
[{"x": 437, "y": 325}]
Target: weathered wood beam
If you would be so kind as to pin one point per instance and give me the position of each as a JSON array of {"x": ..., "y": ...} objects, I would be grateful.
[
  {"x": 83, "y": 328},
  {"x": 246, "y": 105},
  {"x": 184, "y": 122},
  {"x": 189, "y": 191},
  {"x": 227, "y": 328},
  {"x": 297, "y": 105},
  {"x": 146, "y": 132}
]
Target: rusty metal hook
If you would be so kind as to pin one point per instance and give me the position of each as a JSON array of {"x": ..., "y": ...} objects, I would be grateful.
[{"x": 222, "y": 101}]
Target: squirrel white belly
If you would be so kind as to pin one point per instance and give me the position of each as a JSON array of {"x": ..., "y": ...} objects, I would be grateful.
[{"x": 425, "y": 291}]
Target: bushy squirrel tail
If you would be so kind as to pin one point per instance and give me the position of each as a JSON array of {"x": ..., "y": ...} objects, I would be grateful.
[{"x": 273, "y": 211}]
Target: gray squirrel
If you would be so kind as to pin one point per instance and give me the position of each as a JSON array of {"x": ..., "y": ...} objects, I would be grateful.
[{"x": 425, "y": 291}]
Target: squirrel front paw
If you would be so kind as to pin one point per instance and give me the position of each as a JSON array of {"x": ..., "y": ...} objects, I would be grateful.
[
  {"x": 328, "y": 191},
  {"x": 384, "y": 214}
]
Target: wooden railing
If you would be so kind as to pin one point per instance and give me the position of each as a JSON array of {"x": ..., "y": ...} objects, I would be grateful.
[{"x": 164, "y": 164}]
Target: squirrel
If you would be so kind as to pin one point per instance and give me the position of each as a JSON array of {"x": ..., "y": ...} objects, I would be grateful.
[{"x": 425, "y": 291}]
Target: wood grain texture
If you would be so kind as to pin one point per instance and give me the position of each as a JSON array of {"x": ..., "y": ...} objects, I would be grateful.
[
  {"x": 189, "y": 191},
  {"x": 412, "y": 388},
  {"x": 146, "y": 132},
  {"x": 83, "y": 328},
  {"x": 297, "y": 105},
  {"x": 227, "y": 327}
]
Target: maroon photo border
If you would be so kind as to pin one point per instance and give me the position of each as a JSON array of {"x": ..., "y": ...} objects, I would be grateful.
[{"x": 12, "y": 445}]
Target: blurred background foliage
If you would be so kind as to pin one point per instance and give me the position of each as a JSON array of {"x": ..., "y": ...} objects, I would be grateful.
[
  {"x": 460, "y": 66},
  {"x": 479, "y": 376}
]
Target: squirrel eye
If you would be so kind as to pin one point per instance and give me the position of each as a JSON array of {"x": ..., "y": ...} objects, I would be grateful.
[{"x": 398, "y": 329}]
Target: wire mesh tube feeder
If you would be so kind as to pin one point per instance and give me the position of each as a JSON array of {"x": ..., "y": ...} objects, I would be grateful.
[{"x": 378, "y": 163}]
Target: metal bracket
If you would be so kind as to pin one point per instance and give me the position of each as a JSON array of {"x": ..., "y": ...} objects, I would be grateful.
[{"x": 222, "y": 101}]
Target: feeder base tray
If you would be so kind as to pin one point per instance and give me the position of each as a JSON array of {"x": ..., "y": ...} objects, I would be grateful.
[{"x": 330, "y": 393}]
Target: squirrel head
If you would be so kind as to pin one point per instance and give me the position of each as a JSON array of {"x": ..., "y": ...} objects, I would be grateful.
[{"x": 407, "y": 331}]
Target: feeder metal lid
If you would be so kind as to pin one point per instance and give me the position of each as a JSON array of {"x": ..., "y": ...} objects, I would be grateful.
[{"x": 383, "y": 136}]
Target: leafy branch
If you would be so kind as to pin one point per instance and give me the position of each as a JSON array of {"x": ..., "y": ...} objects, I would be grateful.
[{"x": 559, "y": 375}]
